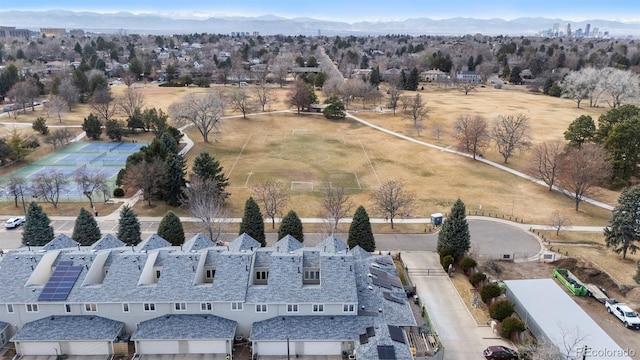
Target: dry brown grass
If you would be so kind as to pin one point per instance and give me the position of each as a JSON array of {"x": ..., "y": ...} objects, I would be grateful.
[
  {"x": 64, "y": 208},
  {"x": 464, "y": 288}
]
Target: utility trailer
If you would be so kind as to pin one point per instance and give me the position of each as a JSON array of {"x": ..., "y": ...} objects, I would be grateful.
[
  {"x": 597, "y": 293},
  {"x": 570, "y": 281}
]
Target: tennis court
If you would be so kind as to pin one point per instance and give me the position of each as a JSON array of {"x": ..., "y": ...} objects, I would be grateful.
[{"x": 106, "y": 157}]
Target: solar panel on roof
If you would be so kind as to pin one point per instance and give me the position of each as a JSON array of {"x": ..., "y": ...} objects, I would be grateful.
[
  {"x": 377, "y": 272},
  {"x": 61, "y": 282},
  {"x": 382, "y": 283},
  {"x": 386, "y": 352},
  {"x": 384, "y": 261},
  {"x": 364, "y": 338},
  {"x": 396, "y": 334},
  {"x": 394, "y": 281},
  {"x": 390, "y": 297},
  {"x": 371, "y": 331}
]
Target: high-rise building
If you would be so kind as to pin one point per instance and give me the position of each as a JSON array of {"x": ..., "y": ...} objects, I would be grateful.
[
  {"x": 568, "y": 32},
  {"x": 10, "y": 31},
  {"x": 556, "y": 29},
  {"x": 53, "y": 32},
  {"x": 586, "y": 30}
]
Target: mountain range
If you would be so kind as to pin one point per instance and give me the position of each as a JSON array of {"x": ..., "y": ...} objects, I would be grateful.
[{"x": 271, "y": 24}]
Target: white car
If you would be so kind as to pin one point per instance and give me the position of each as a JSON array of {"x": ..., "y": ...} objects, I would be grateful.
[{"x": 14, "y": 222}]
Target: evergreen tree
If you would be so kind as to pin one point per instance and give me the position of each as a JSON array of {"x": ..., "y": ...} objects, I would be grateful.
[
  {"x": 171, "y": 229},
  {"x": 454, "y": 237},
  {"x": 360, "y": 231},
  {"x": 374, "y": 77},
  {"x": 173, "y": 189},
  {"x": 335, "y": 110},
  {"x": 92, "y": 126},
  {"x": 291, "y": 225},
  {"x": 623, "y": 232},
  {"x": 86, "y": 230},
  {"x": 252, "y": 222},
  {"x": 37, "y": 229},
  {"x": 169, "y": 142},
  {"x": 129, "y": 226},
  {"x": 208, "y": 169},
  {"x": 413, "y": 80}
]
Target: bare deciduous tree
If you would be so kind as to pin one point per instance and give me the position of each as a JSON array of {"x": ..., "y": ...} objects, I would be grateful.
[
  {"x": 545, "y": 161},
  {"x": 437, "y": 130},
  {"x": 472, "y": 133},
  {"x": 48, "y": 185},
  {"x": 24, "y": 92},
  {"x": 207, "y": 207},
  {"x": 511, "y": 133},
  {"x": 56, "y": 106},
  {"x": 59, "y": 137},
  {"x": 17, "y": 187},
  {"x": 299, "y": 95},
  {"x": 394, "y": 97},
  {"x": 204, "y": 111},
  {"x": 336, "y": 205},
  {"x": 392, "y": 199},
  {"x": 264, "y": 94},
  {"x": 90, "y": 181},
  {"x": 103, "y": 104},
  {"x": 147, "y": 176},
  {"x": 582, "y": 170},
  {"x": 559, "y": 221},
  {"x": 466, "y": 86},
  {"x": 69, "y": 92},
  {"x": 131, "y": 102},
  {"x": 273, "y": 196},
  {"x": 416, "y": 111},
  {"x": 241, "y": 101}
]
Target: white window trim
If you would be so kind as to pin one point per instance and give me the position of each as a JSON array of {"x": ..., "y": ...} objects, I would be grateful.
[
  {"x": 32, "y": 308},
  {"x": 237, "y": 306},
  {"x": 350, "y": 308},
  {"x": 10, "y": 309},
  {"x": 149, "y": 307},
  {"x": 206, "y": 306},
  {"x": 293, "y": 308},
  {"x": 262, "y": 308},
  {"x": 126, "y": 308},
  {"x": 180, "y": 306},
  {"x": 317, "y": 308},
  {"x": 67, "y": 307},
  {"x": 91, "y": 307}
]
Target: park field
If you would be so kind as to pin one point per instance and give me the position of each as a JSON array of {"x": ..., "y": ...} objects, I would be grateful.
[{"x": 309, "y": 152}]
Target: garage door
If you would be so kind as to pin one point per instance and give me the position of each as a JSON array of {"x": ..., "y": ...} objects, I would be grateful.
[
  {"x": 275, "y": 348},
  {"x": 322, "y": 348},
  {"x": 158, "y": 347},
  {"x": 207, "y": 347},
  {"x": 88, "y": 348},
  {"x": 40, "y": 348}
]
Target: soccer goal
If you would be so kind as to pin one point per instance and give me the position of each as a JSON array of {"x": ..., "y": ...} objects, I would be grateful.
[{"x": 301, "y": 186}]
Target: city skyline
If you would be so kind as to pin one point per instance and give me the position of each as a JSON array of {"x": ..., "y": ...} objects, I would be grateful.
[{"x": 375, "y": 10}]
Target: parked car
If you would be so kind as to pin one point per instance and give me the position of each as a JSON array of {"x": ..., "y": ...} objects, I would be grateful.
[
  {"x": 624, "y": 313},
  {"x": 500, "y": 353},
  {"x": 14, "y": 222}
]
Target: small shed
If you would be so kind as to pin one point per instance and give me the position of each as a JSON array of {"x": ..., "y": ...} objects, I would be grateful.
[{"x": 436, "y": 219}]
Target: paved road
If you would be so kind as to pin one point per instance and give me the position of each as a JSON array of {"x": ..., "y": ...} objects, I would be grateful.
[{"x": 462, "y": 338}]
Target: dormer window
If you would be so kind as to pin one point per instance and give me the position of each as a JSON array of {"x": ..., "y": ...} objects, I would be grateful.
[
  {"x": 262, "y": 277},
  {"x": 311, "y": 277}
]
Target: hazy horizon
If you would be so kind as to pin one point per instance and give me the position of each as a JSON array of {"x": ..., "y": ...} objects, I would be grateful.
[{"x": 373, "y": 10}]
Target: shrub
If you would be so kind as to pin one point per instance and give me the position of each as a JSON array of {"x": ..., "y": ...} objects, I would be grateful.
[
  {"x": 489, "y": 292},
  {"x": 446, "y": 261},
  {"x": 477, "y": 278},
  {"x": 118, "y": 192},
  {"x": 467, "y": 264},
  {"x": 501, "y": 310},
  {"x": 40, "y": 125},
  {"x": 511, "y": 325}
]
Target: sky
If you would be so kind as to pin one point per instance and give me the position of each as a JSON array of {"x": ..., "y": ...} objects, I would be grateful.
[{"x": 353, "y": 11}]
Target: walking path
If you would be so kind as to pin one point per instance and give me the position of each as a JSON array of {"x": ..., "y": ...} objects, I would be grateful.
[{"x": 488, "y": 162}]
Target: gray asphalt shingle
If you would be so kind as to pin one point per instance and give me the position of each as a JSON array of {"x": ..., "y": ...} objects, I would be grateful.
[
  {"x": 70, "y": 327},
  {"x": 186, "y": 327}
]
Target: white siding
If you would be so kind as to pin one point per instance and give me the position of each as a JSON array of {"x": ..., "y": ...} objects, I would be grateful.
[
  {"x": 207, "y": 347},
  {"x": 322, "y": 348},
  {"x": 158, "y": 347},
  {"x": 274, "y": 348},
  {"x": 88, "y": 348},
  {"x": 39, "y": 348}
]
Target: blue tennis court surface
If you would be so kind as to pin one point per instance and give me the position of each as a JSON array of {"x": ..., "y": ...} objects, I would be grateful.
[{"x": 106, "y": 157}]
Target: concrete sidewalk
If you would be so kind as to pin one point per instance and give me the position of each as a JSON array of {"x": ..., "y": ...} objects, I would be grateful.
[{"x": 462, "y": 338}]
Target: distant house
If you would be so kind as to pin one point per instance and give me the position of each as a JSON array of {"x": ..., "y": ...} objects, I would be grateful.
[
  {"x": 469, "y": 76},
  {"x": 526, "y": 74},
  {"x": 434, "y": 75}
]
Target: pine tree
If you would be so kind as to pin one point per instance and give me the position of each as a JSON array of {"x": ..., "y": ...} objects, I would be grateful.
[
  {"x": 37, "y": 229},
  {"x": 252, "y": 222},
  {"x": 129, "y": 226},
  {"x": 86, "y": 230},
  {"x": 208, "y": 169},
  {"x": 622, "y": 233},
  {"x": 173, "y": 189},
  {"x": 291, "y": 225},
  {"x": 413, "y": 80},
  {"x": 171, "y": 229},
  {"x": 360, "y": 231},
  {"x": 454, "y": 238}
]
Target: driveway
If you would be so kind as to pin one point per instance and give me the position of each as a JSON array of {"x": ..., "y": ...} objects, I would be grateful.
[{"x": 462, "y": 338}]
